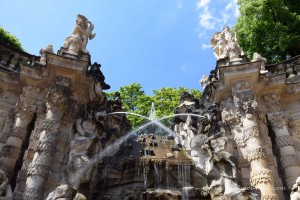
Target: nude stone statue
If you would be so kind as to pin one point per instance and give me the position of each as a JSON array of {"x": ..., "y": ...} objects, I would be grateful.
[
  {"x": 82, "y": 32},
  {"x": 225, "y": 44}
]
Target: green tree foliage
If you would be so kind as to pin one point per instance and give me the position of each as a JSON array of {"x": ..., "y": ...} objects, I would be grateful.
[
  {"x": 136, "y": 101},
  {"x": 167, "y": 99},
  {"x": 10, "y": 39},
  {"x": 270, "y": 27}
]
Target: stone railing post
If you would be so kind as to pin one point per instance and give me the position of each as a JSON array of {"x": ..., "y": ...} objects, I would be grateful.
[
  {"x": 25, "y": 111},
  {"x": 40, "y": 167}
]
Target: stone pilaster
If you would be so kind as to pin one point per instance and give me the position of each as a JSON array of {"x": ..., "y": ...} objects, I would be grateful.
[
  {"x": 40, "y": 167},
  {"x": 238, "y": 113},
  {"x": 25, "y": 110},
  {"x": 288, "y": 158}
]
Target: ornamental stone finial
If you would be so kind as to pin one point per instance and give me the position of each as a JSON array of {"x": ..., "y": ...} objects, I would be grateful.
[{"x": 82, "y": 32}]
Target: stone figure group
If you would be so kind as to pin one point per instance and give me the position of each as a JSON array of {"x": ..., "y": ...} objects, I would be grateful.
[{"x": 225, "y": 44}]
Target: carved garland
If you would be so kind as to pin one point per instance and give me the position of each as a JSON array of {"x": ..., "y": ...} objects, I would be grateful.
[
  {"x": 251, "y": 132},
  {"x": 254, "y": 154},
  {"x": 262, "y": 176}
]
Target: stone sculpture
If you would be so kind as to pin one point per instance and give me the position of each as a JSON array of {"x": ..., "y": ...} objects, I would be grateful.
[
  {"x": 43, "y": 51},
  {"x": 204, "y": 81},
  {"x": 82, "y": 32},
  {"x": 295, "y": 194},
  {"x": 226, "y": 45},
  {"x": 258, "y": 57},
  {"x": 207, "y": 142}
]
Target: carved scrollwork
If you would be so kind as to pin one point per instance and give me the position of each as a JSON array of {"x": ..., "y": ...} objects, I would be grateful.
[
  {"x": 38, "y": 170},
  {"x": 262, "y": 176},
  {"x": 284, "y": 140},
  {"x": 257, "y": 153},
  {"x": 243, "y": 97},
  {"x": 229, "y": 115},
  {"x": 63, "y": 81},
  {"x": 288, "y": 161},
  {"x": 239, "y": 141},
  {"x": 241, "y": 87}
]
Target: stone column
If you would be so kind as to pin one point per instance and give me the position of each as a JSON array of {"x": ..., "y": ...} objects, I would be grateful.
[
  {"x": 25, "y": 110},
  {"x": 40, "y": 167},
  {"x": 240, "y": 116},
  {"x": 288, "y": 158}
]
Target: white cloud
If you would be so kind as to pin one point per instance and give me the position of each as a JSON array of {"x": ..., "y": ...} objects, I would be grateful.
[
  {"x": 207, "y": 20},
  {"x": 225, "y": 18},
  {"x": 206, "y": 46},
  {"x": 232, "y": 6},
  {"x": 179, "y": 5},
  {"x": 202, "y": 4}
]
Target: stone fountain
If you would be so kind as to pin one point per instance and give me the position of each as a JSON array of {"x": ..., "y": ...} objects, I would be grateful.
[{"x": 62, "y": 138}]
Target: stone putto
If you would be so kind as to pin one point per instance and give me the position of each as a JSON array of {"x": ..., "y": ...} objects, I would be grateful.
[{"x": 82, "y": 32}]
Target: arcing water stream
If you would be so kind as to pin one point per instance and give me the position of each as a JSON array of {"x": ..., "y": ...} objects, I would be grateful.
[{"x": 184, "y": 171}]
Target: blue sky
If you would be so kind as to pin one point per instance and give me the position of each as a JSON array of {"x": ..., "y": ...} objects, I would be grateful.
[{"x": 157, "y": 43}]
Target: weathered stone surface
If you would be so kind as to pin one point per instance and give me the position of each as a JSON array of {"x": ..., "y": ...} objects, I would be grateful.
[{"x": 59, "y": 140}]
